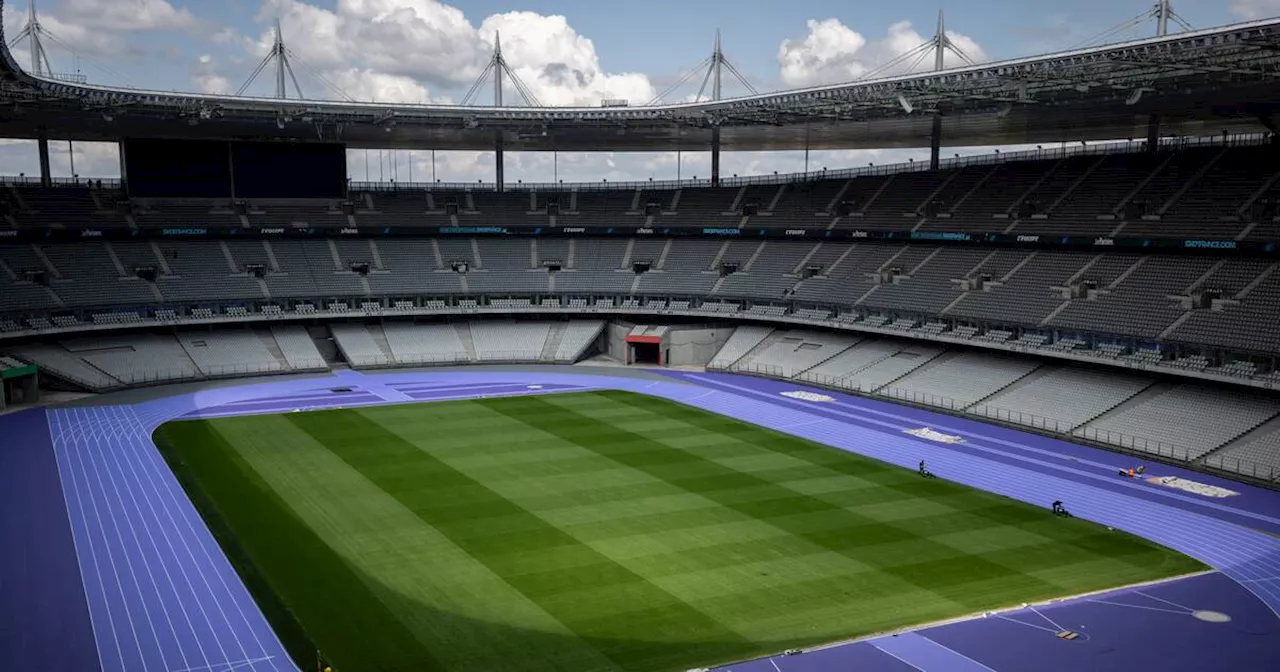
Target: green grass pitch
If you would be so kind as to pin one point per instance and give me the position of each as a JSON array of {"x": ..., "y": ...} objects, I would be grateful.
[{"x": 605, "y": 531}]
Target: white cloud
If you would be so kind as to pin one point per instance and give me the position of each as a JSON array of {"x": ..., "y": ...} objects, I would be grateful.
[
  {"x": 1256, "y": 9},
  {"x": 97, "y": 32},
  {"x": 559, "y": 66},
  {"x": 423, "y": 39},
  {"x": 92, "y": 159},
  {"x": 224, "y": 35},
  {"x": 61, "y": 35},
  {"x": 101, "y": 160},
  {"x": 127, "y": 15},
  {"x": 415, "y": 50},
  {"x": 833, "y": 52},
  {"x": 368, "y": 85},
  {"x": 206, "y": 77},
  {"x": 424, "y": 43},
  {"x": 539, "y": 167}
]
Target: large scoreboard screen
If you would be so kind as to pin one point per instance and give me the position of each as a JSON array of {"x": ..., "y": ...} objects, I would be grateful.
[{"x": 215, "y": 169}]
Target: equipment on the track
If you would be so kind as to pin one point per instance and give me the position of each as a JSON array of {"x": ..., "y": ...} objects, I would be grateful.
[
  {"x": 923, "y": 471},
  {"x": 1059, "y": 510}
]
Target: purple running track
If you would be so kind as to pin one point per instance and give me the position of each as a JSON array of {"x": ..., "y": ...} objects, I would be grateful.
[
  {"x": 44, "y": 619},
  {"x": 164, "y": 598}
]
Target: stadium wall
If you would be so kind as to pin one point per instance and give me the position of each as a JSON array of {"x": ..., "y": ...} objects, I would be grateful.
[
  {"x": 616, "y": 339},
  {"x": 695, "y": 347},
  {"x": 877, "y": 322},
  {"x": 697, "y": 343}
]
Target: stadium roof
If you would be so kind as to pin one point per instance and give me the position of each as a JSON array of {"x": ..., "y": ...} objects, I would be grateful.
[{"x": 1200, "y": 83}]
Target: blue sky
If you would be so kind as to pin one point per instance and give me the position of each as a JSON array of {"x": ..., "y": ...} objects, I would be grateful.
[{"x": 423, "y": 50}]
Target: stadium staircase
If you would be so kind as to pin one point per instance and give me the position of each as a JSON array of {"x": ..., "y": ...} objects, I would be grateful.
[
  {"x": 1155, "y": 390},
  {"x": 333, "y": 252},
  {"x": 272, "y": 262},
  {"x": 662, "y": 258},
  {"x": 747, "y": 360},
  {"x": 714, "y": 266},
  {"x": 46, "y": 262},
  {"x": 468, "y": 343},
  {"x": 937, "y": 359},
  {"x": 853, "y": 373},
  {"x": 232, "y": 267},
  {"x": 1190, "y": 183},
  {"x": 1267, "y": 428},
  {"x": 163, "y": 264},
  {"x": 115, "y": 258},
  {"x": 325, "y": 345},
  {"x": 626, "y": 255},
  {"x": 1030, "y": 377},
  {"x": 552, "y": 344},
  {"x": 380, "y": 339},
  {"x": 273, "y": 347},
  {"x": 835, "y": 351},
  {"x": 875, "y": 195},
  {"x": 435, "y": 253}
]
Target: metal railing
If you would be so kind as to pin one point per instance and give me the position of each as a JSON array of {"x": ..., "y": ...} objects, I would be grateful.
[
  {"x": 34, "y": 181},
  {"x": 1138, "y": 444},
  {"x": 1019, "y": 418},
  {"x": 1042, "y": 153},
  {"x": 447, "y": 359},
  {"x": 122, "y": 379},
  {"x": 1235, "y": 465}
]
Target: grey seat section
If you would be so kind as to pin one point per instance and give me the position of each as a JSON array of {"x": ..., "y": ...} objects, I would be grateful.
[
  {"x": 1189, "y": 419},
  {"x": 1067, "y": 396}
]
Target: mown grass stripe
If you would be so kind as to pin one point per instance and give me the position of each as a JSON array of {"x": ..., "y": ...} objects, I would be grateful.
[
  {"x": 920, "y": 560},
  {"x": 389, "y": 544},
  {"x": 666, "y": 630},
  {"x": 653, "y": 536},
  {"x": 306, "y": 591}
]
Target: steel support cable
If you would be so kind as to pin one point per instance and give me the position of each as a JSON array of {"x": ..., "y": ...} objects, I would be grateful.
[
  {"x": 26, "y": 30},
  {"x": 475, "y": 88},
  {"x": 916, "y": 63},
  {"x": 1186, "y": 25},
  {"x": 294, "y": 58},
  {"x": 294, "y": 77},
  {"x": 1129, "y": 24},
  {"x": 705, "y": 78},
  {"x": 922, "y": 49},
  {"x": 687, "y": 75},
  {"x": 254, "y": 75},
  {"x": 520, "y": 87},
  {"x": 960, "y": 52},
  {"x": 742, "y": 80},
  {"x": 78, "y": 55},
  {"x": 26, "y": 33},
  {"x": 289, "y": 68}
]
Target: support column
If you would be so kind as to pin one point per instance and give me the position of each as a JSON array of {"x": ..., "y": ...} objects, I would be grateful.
[
  {"x": 124, "y": 174},
  {"x": 42, "y": 145},
  {"x": 1153, "y": 133},
  {"x": 715, "y": 156},
  {"x": 497, "y": 161},
  {"x": 935, "y": 142}
]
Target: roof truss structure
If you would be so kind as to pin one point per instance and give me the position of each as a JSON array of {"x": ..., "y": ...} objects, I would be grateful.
[{"x": 1199, "y": 63}]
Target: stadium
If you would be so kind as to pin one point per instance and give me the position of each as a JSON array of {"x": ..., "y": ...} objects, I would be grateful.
[{"x": 1013, "y": 411}]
